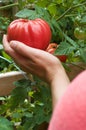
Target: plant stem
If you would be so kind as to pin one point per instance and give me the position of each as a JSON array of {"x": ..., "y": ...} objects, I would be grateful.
[
  {"x": 8, "y": 6},
  {"x": 6, "y": 59},
  {"x": 12, "y": 62},
  {"x": 71, "y": 15},
  {"x": 84, "y": 3},
  {"x": 69, "y": 9}
]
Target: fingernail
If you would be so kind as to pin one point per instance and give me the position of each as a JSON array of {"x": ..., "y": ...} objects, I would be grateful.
[{"x": 13, "y": 44}]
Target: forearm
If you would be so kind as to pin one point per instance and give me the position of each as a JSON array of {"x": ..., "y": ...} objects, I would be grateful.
[{"x": 59, "y": 85}]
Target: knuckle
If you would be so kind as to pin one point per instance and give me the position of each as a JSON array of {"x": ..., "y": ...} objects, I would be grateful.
[{"x": 6, "y": 50}]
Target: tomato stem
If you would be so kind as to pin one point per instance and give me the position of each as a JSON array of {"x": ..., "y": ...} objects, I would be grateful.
[{"x": 8, "y": 6}]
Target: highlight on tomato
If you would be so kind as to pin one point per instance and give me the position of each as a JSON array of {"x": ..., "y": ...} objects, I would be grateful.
[
  {"x": 51, "y": 49},
  {"x": 80, "y": 33},
  {"x": 34, "y": 33}
]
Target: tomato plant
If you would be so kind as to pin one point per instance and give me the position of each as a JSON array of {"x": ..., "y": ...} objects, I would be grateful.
[
  {"x": 35, "y": 33},
  {"x": 77, "y": 20},
  {"x": 28, "y": 106}
]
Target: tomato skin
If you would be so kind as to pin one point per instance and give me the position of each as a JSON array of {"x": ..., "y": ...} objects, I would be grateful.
[
  {"x": 34, "y": 33},
  {"x": 62, "y": 58},
  {"x": 80, "y": 33},
  {"x": 51, "y": 49}
]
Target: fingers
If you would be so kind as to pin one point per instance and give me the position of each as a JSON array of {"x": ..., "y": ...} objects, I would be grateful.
[
  {"x": 29, "y": 52},
  {"x": 23, "y": 49},
  {"x": 21, "y": 54},
  {"x": 14, "y": 48},
  {"x": 32, "y": 60},
  {"x": 8, "y": 49},
  {"x": 6, "y": 45}
]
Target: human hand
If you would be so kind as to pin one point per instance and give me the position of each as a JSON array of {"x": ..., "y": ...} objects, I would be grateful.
[
  {"x": 40, "y": 63},
  {"x": 32, "y": 60}
]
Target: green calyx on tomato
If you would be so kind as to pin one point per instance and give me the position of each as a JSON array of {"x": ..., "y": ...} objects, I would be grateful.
[
  {"x": 51, "y": 49},
  {"x": 34, "y": 33},
  {"x": 80, "y": 33}
]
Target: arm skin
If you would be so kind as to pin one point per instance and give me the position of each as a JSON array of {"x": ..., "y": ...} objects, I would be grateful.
[{"x": 40, "y": 63}]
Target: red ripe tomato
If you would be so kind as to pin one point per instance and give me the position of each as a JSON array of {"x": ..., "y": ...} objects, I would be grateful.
[
  {"x": 51, "y": 49},
  {"x": 62, "y": 57},
  {"x": 34, "y": 33}
]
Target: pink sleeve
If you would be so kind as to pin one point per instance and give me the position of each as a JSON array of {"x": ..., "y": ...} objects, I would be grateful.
[{"x": 70, "y": 112}]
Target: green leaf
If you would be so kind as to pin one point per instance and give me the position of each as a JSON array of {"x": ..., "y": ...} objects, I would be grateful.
[
  {"x": 64, "y": 48},
  {"x": 42, "y": 3},
  {"x": 5, "y": 55},
  {"x": 29, "y": 124},
  {"x": 16, "y": 115},
  {"x": 52, "y": 8},
  {"x": 20, "y": 93},
  {"x": 3, "y": 108},
  {"x": 2, "y": 99},
  {"x": 22, "y": 83},
  {"x": 28, "y": 114},
  {"x": 42, "y": 13},
  {"x": 26, "y": 13},
  {"x": 83, "y": 20},
  {"x": 83, "y": 54},
  {"x": 71, "y": 41},
  {"x": 39, "y": 12},
  {"x": 17, "y": 97},
  {"x": 5, "y": 124}
]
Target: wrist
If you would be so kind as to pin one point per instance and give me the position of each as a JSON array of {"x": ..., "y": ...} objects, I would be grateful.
[{"x": 59, "y": 84}]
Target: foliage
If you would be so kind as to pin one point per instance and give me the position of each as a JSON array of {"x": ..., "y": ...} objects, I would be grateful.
[
  {"x": 4, "y": 22},
  {"x": 4, "y": 65},
  {"x": 5, "y": 124},
  {"x": 29, "y": 104},
  {"x": 62, "y": 21}
]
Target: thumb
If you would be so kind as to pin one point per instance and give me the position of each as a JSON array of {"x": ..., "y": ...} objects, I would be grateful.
[
  {"x": 21, "y": 48},
  {"x": 17, "y": 46}
]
